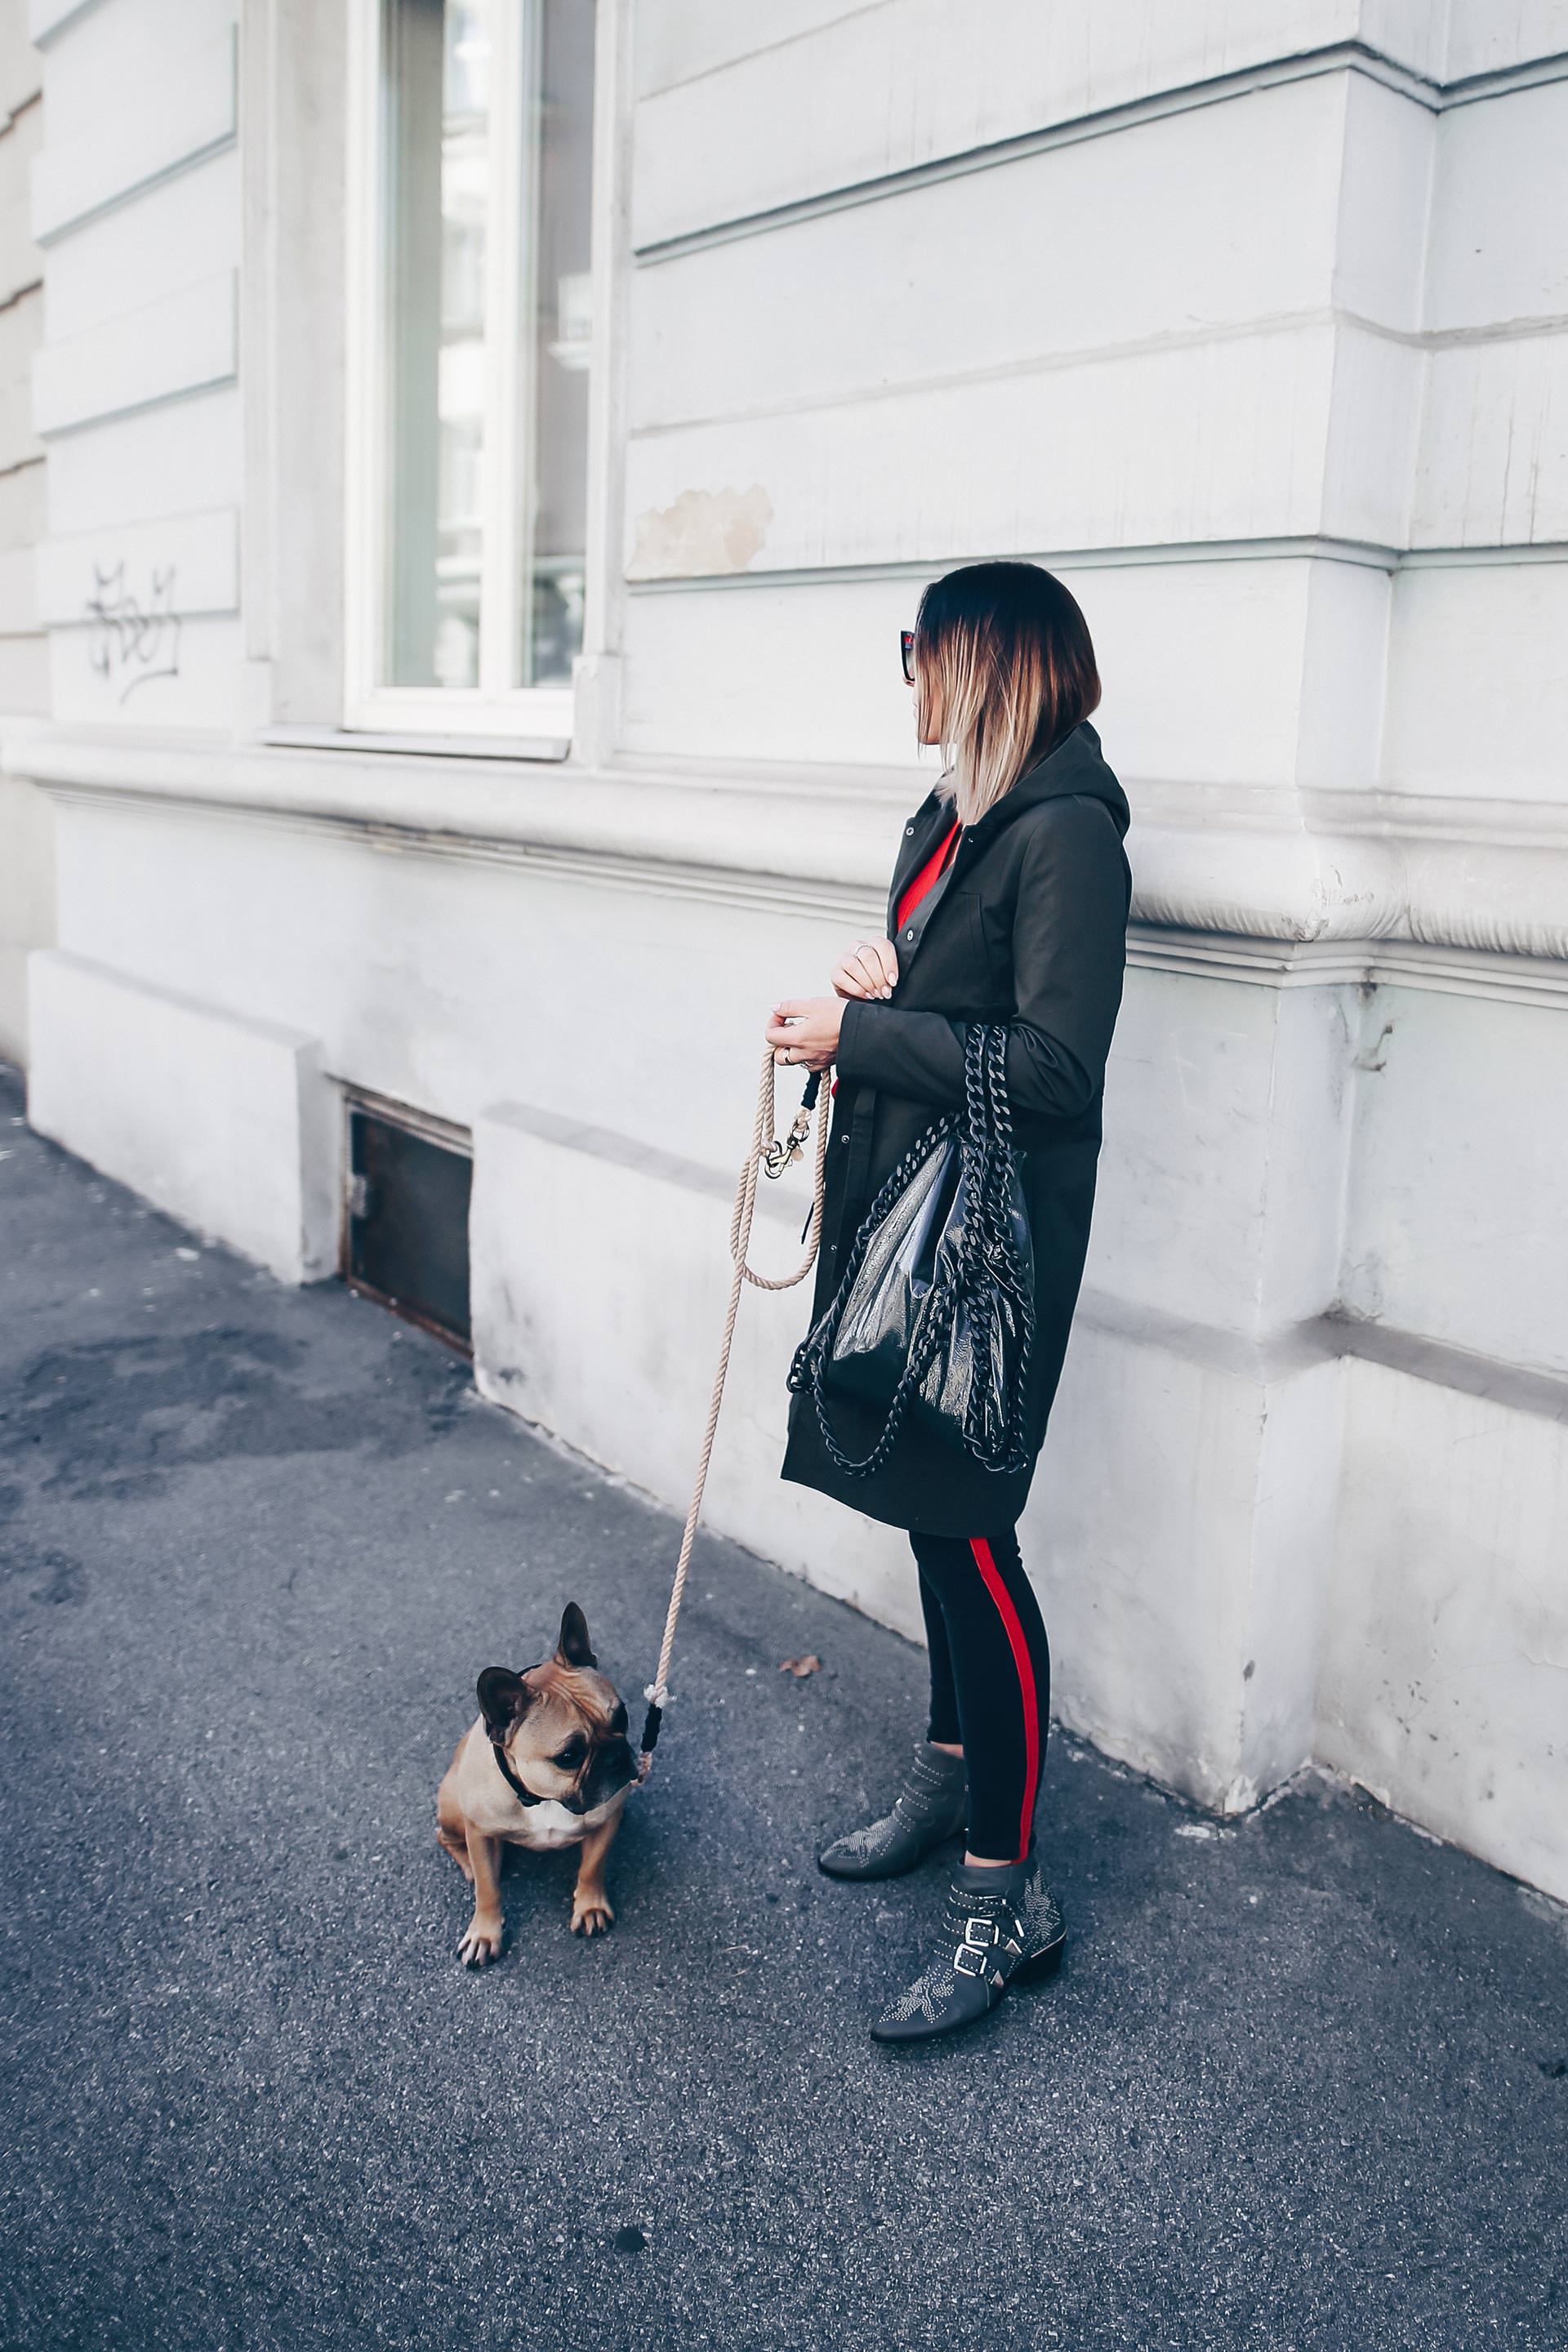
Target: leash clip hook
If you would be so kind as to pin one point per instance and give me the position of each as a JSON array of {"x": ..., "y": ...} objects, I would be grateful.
[{"x": 779, "y": 1156}]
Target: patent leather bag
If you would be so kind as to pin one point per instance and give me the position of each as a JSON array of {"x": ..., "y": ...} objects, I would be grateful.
[{"x": 933, "y": 1322}]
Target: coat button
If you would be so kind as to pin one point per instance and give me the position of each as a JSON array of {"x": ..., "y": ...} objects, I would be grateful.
[
  {"x": 909, "y": 935},
  {"x": 908, "y": 831}
]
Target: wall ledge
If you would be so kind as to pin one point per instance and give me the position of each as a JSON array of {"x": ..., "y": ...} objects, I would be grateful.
[
  {"x": 1469, "y": 896},
  {"x": 1353, "y": 56}
]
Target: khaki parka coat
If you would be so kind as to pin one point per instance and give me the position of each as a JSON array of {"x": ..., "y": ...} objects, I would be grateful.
[{"x": 1028, "y": 926}]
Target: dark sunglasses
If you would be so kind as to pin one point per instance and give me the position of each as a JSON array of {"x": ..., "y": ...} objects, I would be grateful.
[{"x": 907, "y": 654}]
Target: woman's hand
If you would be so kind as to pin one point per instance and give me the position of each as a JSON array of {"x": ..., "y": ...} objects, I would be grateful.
[
  {"x": 869, "y": 969},
  {"x": 805, "y": 1030}
]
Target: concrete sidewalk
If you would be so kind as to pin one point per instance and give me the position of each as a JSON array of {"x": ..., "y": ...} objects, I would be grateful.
[{"x": 1302, "y": 2085}]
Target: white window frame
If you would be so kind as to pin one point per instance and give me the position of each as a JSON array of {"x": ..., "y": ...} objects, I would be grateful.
[{"x": 521, "y": 718}]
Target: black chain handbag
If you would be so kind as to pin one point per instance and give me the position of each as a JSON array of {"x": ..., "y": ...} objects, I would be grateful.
[{"x": 933, "y": 1322}]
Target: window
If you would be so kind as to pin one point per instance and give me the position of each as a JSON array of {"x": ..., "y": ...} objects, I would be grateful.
[{"x": 471, "y": 202}]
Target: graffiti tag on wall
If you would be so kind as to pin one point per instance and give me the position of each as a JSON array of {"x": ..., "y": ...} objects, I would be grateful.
[{"x": 134, "y": 638}]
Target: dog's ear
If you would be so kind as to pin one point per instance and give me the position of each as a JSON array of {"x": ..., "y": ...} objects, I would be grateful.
[
  {"x": 574, "y": 1649},
  {"x": 503, "y": 1700}
]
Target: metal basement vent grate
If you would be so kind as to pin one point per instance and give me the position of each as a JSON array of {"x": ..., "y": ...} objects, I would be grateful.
[{"x": 405, "y": 1216}]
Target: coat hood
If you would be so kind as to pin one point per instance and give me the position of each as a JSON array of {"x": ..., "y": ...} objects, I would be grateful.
[{"x": 1075, "y": 769}]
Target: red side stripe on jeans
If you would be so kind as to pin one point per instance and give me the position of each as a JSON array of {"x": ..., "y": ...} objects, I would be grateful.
[{"x": 1024, "y": 1664}]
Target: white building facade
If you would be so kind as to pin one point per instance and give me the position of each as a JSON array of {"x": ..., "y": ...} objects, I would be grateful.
[
  {"x": 27, "y": 879},
  {"x": 491, "y": 447}
]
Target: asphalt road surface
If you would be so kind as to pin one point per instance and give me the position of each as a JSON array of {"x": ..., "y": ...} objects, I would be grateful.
[{"x": 1301, "y": 2086}]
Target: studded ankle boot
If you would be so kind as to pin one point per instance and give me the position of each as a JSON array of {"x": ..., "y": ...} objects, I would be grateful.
[
  {"x": 997, "y": 1927},
  {"x": 928, "y": 1807}
]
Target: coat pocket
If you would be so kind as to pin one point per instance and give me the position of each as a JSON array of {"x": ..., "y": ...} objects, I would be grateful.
[{"x": 990, "y": 979}]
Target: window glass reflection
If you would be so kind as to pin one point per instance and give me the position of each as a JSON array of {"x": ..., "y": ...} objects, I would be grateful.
[
  {"x": 558, "y": 326},
  {"x": 439, "y": 152},
  {"x": 485, "y": 104}
]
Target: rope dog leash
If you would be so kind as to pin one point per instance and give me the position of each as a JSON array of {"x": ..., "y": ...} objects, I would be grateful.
[{"x": 767, "y": 1156}]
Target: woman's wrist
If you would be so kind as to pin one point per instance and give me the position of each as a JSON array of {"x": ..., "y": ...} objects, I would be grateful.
[{"x": 850, "y": 1028}]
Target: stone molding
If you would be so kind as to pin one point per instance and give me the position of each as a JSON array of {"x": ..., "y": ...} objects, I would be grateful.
[
  {"x": 1338, "y": 58},
  {"x": 1468, "y": 898},
  {"x": 1267, "y": 548}
]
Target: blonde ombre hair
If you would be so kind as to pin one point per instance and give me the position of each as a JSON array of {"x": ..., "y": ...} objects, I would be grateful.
[{"x": 1002, "y": 660}]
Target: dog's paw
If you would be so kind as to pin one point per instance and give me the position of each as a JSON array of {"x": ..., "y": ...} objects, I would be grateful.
[
  {"x": 481, "y": 1941},
  {"x": 591, "y": 1915}
]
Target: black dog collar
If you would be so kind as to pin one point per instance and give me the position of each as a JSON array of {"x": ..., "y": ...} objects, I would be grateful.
[{"x": 524, "y": 1796}]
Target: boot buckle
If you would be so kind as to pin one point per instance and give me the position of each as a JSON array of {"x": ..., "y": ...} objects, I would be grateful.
[{"x": 971, "y": 1960}]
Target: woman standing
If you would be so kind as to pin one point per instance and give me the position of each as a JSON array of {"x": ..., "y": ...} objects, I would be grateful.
[{"x": 1009, "y": 904}]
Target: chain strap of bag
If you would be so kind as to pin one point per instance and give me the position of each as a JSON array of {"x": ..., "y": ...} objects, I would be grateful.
[{"x": 994, "y": 1425}]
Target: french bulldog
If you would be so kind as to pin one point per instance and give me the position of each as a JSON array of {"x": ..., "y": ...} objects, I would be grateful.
[{"x": 546, "y": 1764}]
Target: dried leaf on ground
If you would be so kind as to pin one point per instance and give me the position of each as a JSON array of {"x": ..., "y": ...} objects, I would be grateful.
[{"x": 799, "y": 1667}]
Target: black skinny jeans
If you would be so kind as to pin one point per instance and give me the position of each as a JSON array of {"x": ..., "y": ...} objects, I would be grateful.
[{"x": 990, "y": 1680}]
